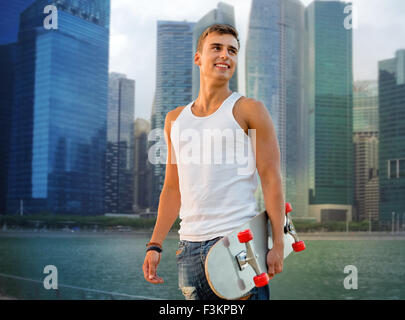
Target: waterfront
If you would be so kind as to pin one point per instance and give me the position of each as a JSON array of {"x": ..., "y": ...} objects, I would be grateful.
[{"x": 109, "y": 266}]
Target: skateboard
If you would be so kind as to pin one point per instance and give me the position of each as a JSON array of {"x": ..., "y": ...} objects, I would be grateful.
[{"x": 237, "y": 263}]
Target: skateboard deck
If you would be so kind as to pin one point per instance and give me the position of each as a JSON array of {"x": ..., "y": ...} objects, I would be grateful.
[{"x": 231, "y": 266}]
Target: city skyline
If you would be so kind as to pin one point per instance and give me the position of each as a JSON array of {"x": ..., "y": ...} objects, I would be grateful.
[
  {"x": 43, "y": 155},
  {"x": 378, "y": 35}
]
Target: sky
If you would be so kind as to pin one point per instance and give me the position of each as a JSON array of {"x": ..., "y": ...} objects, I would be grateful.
[{"x": 378, "y": 33}]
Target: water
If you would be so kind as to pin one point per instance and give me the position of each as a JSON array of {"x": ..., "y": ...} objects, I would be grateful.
[{"x": 103, "y": 266}]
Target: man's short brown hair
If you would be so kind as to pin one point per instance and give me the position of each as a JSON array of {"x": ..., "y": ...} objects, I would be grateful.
[{"x": 219, "y": 28}]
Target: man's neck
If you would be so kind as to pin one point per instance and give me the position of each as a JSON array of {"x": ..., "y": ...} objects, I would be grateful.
[{"x": 211, "y": 97}]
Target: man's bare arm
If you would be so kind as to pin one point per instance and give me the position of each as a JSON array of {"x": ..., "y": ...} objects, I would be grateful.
[
  {"x": 168, "y": 209},
  {"x": 169, "y": 201},
  {"x": 267, "y": 153}
]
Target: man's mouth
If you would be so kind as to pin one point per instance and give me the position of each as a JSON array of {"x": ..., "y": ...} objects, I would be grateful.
[{"x": 222, "y": 66}]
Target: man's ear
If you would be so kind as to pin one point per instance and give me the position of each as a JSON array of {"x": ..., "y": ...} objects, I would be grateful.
[{"x": 197, "y": 57}]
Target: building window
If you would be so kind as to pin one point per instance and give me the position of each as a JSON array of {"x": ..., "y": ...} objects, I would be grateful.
[
  {"x": 396, "y": 169},
  {"x": 401, "y": 168}
]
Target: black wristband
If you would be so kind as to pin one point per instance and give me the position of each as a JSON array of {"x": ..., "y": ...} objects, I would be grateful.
[{"x": 155, "y": 248}]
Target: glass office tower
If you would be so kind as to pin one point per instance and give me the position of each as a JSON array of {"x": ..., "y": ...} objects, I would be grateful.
[
  {"x": 365, "y": 138},
  {"x": 9, "y": 19},
  {"x": 330, "y": 69},
  {"x": 173, "y": 83},
  {"x": 9, "y": 22},
  {"x": 59, "y": 119},
  {"x": 365, "y": 106},
  {"x": 330, "y": 101},
  {"x": 142, "y": 175},
  {"x": 119, "y": 183},
  {"x": 275, "y": 53},
  {"x": 391, "y": 84}
]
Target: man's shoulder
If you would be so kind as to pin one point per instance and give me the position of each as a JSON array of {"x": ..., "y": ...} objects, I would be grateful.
[
  {"x": 250, "y": 108},
  {"x": 173, "y": 114},
  {"x": 246, "y": 103}
]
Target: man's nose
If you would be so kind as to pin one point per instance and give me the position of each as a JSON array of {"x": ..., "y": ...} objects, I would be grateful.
[{"x": 224, "y": 53}]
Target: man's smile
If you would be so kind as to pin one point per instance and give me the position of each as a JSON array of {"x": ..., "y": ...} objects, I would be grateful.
[{"x": 222, "y": 66}]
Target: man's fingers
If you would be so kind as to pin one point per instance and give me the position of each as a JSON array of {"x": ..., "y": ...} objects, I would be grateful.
[
  {"x": 145, "y": 268},
  {"x": 279, "y": 269},
  {"x": 149, "y": 267},
  {"x": 270, "y": 271},
  {"x": 152, "y": 271}
]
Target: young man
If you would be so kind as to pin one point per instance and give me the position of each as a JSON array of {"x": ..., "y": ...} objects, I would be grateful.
[{"x": 215, "y": 199}]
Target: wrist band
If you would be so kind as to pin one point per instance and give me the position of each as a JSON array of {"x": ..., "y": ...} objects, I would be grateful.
[
  {"x": 154, "y": 244},
  {"x": 154, "y": 248}
]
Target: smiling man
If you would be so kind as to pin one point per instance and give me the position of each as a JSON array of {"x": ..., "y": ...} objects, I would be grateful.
[{"x": 213, "y": 199}]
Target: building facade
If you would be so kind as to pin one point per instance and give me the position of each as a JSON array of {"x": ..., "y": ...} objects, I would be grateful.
[
  {"x": 58, "y": 139},
  {"x": 173, "y": 89},
  {"x": 142, "y": 176},
  {"x": 119, "y": 179},
  {"x": 365, "y": 138},
  {"x": 275, "y": 54},
  {"x": 9, "y": 26},
  {"x": 10, "y": 19},
  {"x": 391, "y": 88},
  {"x": 366, "y": 169},
  {"x": 330, "y": 100}
]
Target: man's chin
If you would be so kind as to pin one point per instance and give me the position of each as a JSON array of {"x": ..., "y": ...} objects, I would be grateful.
[{"x": 223, "y": 77}]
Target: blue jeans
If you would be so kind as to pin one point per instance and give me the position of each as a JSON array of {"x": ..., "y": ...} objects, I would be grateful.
[{"x": 192, "y": 281}]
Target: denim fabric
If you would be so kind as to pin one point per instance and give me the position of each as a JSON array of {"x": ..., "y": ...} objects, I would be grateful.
[{"x": 192, "y": 281}]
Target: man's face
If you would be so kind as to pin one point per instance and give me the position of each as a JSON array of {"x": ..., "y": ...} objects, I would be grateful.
[{"x": 219, "y": 56}]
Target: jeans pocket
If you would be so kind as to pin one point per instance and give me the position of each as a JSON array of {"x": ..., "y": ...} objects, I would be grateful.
[{"x": 180, "y": 249}]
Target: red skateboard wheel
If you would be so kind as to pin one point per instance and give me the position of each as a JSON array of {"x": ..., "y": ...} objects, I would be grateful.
[
  {"x": 298, "y": 246},
  {"x": 261, "y": 280},
  {"x": 288, "y": 207},
  {"x": 245, "y": 236}
]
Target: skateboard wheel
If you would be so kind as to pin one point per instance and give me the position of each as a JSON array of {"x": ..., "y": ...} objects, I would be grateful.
[
  {"x": 245, "y": 236},
  {"x": 288, "y": 207},
  {"x": 261, "y": 280},
  {"x": 298, "y": 246}
]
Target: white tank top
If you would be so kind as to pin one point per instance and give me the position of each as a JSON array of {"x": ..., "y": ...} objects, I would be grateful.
[{"x": 217, "y": 172}]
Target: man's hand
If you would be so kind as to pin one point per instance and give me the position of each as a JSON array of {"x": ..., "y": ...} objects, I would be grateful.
[
  {"x": 150, "y": 264},
  {"x": 275, "y": 260}
]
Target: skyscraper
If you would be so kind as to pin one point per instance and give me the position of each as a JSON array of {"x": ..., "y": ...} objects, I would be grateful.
[
  {"x": 9, "y": 25},
  {"x": 365, "y": 106},
  {"x": 8, "y": 56},
  {"x": 391, "y": 85},
  {"x": 173, "y": 84},
  {"x": 365, "y": 138},
  {"x": 60, "y": 110},
  {"x": 275, "y": 53},
  {"x": 142, "y": 183},
  {"x": 119, "y": 179},
  {"x": 330, "y": 102},
  {"x": 224, "y": 13}
]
